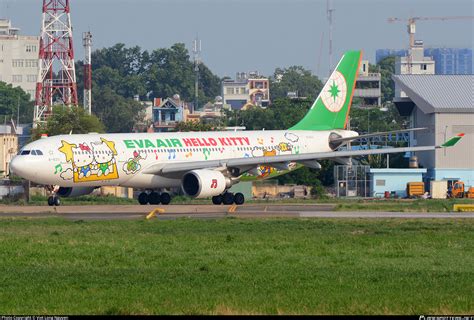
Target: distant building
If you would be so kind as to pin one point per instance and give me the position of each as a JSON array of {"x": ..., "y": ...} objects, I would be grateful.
[
  {"x": 451, "y": 60},
  {"x": 167, "y": 113},
  {"x": 212, "y": 111},
  {"x": 418, "y": 63},
  {"x": 444, "y": 105},
  {"x": 447, "y": 60},
  {"x": 259, "y": 92},
  {"x": 246, "y": 89},
  {"x": 8, "y": 148},
  {"x": 18, "y": 58},
  {"x": 368, "y": 87}
]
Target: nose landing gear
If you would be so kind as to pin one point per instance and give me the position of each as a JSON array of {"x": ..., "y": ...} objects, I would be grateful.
[{"x": 53, "y": 199}]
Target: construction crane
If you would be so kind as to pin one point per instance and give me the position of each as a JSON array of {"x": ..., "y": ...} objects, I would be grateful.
[{"x": 411, "y": 28}]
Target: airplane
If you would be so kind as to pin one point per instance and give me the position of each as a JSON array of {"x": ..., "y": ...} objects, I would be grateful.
[{"x": 203, "y": 164}]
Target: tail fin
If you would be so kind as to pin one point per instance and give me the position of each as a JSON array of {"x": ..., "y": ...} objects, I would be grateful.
[{"x": 331, "y": 108}]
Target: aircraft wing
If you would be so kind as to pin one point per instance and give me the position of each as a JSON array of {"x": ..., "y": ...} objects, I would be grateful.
[
  {"x": 375, "y": 134},
  {"x": 244, "y": 164}
]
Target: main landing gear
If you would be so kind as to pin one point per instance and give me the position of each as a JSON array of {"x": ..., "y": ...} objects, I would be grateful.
[
  {"x": 154, "y": 198},
  {"x": 229, "y": 198}
]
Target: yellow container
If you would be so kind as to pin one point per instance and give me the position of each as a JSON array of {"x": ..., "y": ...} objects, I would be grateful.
[{"x": 415, "y": 189}]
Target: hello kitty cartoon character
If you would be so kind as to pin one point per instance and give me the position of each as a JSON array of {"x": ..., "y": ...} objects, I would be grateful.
[
  {"x": 83, "y": 160},
  {"x": 104, "y": 158},
  {"x": 89, "y": 161}
]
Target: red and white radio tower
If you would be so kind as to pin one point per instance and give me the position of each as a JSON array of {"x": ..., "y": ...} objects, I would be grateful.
[{"x": 56, "y": 83}]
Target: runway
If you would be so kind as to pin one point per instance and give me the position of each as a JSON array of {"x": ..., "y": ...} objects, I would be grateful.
[{"x": 133, "y": 212}]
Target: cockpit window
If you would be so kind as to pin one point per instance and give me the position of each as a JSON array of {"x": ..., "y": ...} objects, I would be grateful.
[{"x": 30, "y": 152}]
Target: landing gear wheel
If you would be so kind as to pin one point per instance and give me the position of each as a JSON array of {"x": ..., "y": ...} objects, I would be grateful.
[
  {"x": 154, "y": 198},
  {"x": 217, "y": 199},
  {"x": 143, "y": 198},
  {"x": 165, "y": 198},
  {"x": 239, "y": 198},
  {"x": 54, "y": 201},
  {"x": 228, "y": 198}
]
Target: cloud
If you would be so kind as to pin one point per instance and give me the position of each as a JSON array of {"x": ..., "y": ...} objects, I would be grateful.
[
  {"x": 291, "y": 137},
  {"x": 67, "y": 174}
]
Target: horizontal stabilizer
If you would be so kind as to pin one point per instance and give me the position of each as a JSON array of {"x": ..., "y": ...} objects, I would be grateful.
[
  {"x": 375, "y": 134},
  {"x": 451, "y": 142}
]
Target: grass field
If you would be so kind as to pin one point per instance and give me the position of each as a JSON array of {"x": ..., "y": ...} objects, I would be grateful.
[{"x": 236, "y": 266}]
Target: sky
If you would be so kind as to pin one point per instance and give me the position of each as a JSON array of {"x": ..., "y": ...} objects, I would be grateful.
[{"x": 261, "y": 35}]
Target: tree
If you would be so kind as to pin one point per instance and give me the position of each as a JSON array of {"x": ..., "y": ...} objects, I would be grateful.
[
  {"x": 120, "y": 73},
  {"x": 116, "y": 112},
  {"x": 12, "y": 98},
  {"x": 282, "y": 113},
  {"x": 364, "y": 120},
  {"x": 294, "y": 78},
  {"x": 387, "y": 69},
  {"x": 194, "y": 126},
  {"x": 66, "y": 120},
  {"x": 161, "y": 73}
]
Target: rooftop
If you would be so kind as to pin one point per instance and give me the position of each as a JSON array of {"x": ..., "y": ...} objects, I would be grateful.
[{"x": 439, "y": 93}]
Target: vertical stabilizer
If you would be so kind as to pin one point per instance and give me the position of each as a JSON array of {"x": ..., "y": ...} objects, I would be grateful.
[{"x": 331, "y": 108}]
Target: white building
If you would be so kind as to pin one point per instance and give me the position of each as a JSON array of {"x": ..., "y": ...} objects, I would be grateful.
[
  {"x": 414, "y": 63},
  {"x": 246, "y": 89},
  {"x": 18, "y": 58}
]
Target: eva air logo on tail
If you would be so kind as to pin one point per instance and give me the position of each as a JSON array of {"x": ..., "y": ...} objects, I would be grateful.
[{"x": 334, "y": 92}]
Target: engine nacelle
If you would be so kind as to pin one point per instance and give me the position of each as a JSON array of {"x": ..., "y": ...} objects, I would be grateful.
[
  {"x": 74, "y": 191},
  {"x": 204, "y": 183}
]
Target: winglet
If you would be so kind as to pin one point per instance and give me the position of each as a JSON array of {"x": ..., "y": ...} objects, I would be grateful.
[{"x": 451, "y": 142}]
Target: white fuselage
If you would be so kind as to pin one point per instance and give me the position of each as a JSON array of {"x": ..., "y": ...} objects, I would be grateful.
[{"x": 91, "y": 160}]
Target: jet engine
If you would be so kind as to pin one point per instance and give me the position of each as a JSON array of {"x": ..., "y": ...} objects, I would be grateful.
[
  {"x": 74, "y": 191},
  {"x": 204, "y": 183}
]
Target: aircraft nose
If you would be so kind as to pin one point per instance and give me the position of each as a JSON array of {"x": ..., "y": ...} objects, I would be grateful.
[{"x": 18, "y": 166}]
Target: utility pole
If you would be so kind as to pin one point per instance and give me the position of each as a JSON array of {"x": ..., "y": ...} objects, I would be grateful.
[
  {"x": 330, "y": 11},
  {"x": 87, "y": 42},
  {"x": 197, "y": 61}
]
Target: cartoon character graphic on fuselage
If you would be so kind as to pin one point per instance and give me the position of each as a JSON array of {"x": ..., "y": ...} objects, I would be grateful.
[{"x": 203, "y": 164}]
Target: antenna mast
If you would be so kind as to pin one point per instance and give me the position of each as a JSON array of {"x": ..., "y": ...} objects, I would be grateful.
[
  {"x": 330, "y": 12},
  {"x": 197, "y": 61},
  {"x": 56, "y": 82},
  {"x": 87, "y": 42}
]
